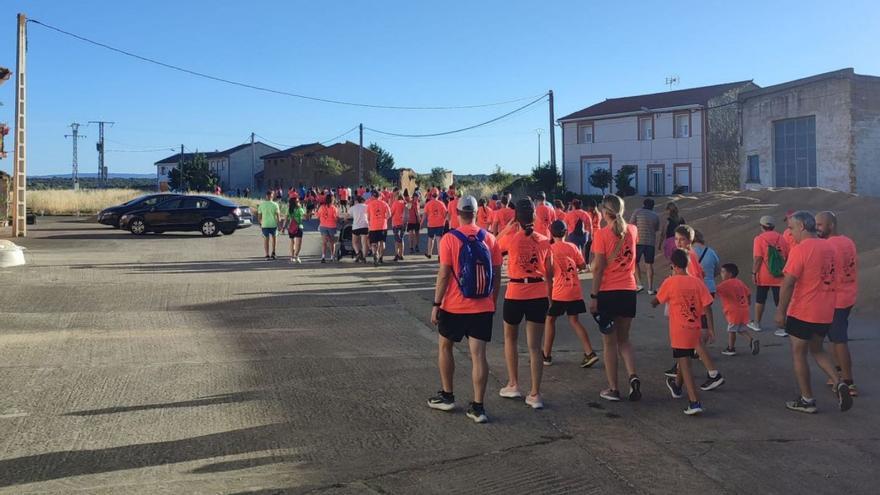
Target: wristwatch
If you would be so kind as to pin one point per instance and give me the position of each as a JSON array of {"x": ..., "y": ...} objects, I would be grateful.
[
  {"x": 594, "y": 296},
  {"x": 437, "y": 305}
]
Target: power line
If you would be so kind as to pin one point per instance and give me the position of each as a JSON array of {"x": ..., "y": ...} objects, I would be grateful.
[
  {"x": 269, "y": 90},
  {"x": 339, "y": 136},
  {"x": 141, "y": 151},
  {"x": 444, "y": 133}
]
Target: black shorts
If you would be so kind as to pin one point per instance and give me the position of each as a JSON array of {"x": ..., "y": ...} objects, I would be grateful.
[
  {"x": 680, "y": 353},
  {"x": 838, "y": 333},
  {"x": 534, "y": 310},
  {"x": 761, "y": 294},
  {"x": 360, "y": 232},
  {"x": 646, "y": 251},
  {"x": 572, "y": 308},
  {"x": 378, "y": 236},
  {"x": 589, "y": 248},
  {"x": 617, "y": 304},
  {"x": 805, "y": 330},
  {"x": 297, "y": 234},
  {"x": 413, "y": 227},
  {"x": 578, "y": 240},
  {"x": 455, "y": 326}
]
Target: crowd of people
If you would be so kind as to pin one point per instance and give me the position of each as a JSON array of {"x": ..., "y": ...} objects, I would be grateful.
[{"x": 809, "y": 268}]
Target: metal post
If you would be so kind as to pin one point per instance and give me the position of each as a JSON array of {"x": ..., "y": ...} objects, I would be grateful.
[
  {"x": 361, "y": 154},
  {"x": 102, "y": 170},
  {"x": 19, "y": 162},
  {"x": 181, "y": 183},
  {"x": 552, "y": 134},
  {"x": 254, "y": 165},
  {"x": 538, "y": 132},
  {"x": 75, "y": 165}
]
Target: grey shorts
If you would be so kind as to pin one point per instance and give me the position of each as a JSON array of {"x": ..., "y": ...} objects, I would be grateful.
[
  {"x": 327, "y": 232},
  {"x": 737, "y": 328},
  {"x": 839, "y": 332}
]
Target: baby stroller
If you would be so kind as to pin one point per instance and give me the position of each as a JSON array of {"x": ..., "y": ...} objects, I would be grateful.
[{"x": 344, "y": 246}]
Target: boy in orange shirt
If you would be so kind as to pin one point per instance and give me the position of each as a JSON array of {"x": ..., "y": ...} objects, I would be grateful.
[
  {"x": 435, "y": 218},
  {"x": 688, "y": 299},
  {"x": 735, "y": 297},
  {"x": 567, "y": 296}
]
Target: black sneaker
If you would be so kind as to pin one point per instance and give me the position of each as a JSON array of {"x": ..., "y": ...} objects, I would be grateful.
[
  {"x": 381, "y": 261},
  {"x": 729, "y": 351},
  {"x": 443, "y": 401},
  {"x": 589, "y": 360},
  {"x": 672, "y": 372},
  {"x": 323, "y": 260},
  {"x": 801, "y": 405},
  {"x": 268, "y": 258},
  {"x": 712, "y": 383},
  {"x": 635, "y": 388},
  {"x": 674, "y": 388},
  {"x": 427, "y": 256},
  {"x": 844, "y": 399},
  {"x": 755, "y": 346},
  {"x": 548, "y": 360},
  {"x": 477, "y": 413},
  {"x": 694, "y": 408},
  {"x": 274, "y": 257}
]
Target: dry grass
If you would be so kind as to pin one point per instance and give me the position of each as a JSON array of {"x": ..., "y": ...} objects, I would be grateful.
[{"x": 88, "y": 201}]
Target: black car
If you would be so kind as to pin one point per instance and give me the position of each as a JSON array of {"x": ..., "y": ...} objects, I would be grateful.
[
  {"x": 110, "y": 216},
  {"x": 209, "y": 215}
]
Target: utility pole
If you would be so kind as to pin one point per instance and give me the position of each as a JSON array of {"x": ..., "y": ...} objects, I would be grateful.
[
  {"x": 102, "y": 170},
  {"x": 253, "y": 164},
  {"x": 19, "y": 162},
  {"x": 538, "y": 131},
  {"x": 361, "y": 155},
  {"x": 182, "y": 182},
  {"x": 552, "y": 134},
  {"x": 75, "y": 135}
]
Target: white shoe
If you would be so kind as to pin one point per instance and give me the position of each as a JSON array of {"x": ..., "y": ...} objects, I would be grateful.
[
  {"x": 510, "y": 393},
  {"x": 535, "y": 401},
  {"x": 780, "y": 332},
  {"x": 640, "y": 288},
  {"x": 754, "y": 326},
  {"x": 298, "y": 260}
]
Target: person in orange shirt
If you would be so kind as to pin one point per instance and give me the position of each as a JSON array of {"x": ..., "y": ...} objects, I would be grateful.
[
  {"x": 686, "y": 297},
  {"x": 328, "y": 216},
  {"x": 342, "y": 193},
  {"x": 451, "y": 206},
  {"x": 559, "y": 211},
  {"x": 786, "y": 234},
  {"x": 378, "y": 214},
  {"x": 544, "y": 215},
  {"x": 457, "y": 316},
  {"x": 398, "y": 223},
  {"x": 567, "y": 297},
  {"x": 613, "y": 295},
  {"x": 806, "y": 309},
  {"x": 503, "y": 216},
  {"x": 684, "y": 238},
  {"x": 764, "y": 280},
  {"x": 847, "y": 269},
  {"x": 528, "y": 296},
  {"x": 435, "y": 218},
  {"x": 484, "y": 215},
  {"x": 580, "y": 227},
  {"x": 596, "y": 217},
  {"x": 414, "y": 221},
  {"x": 735, "y": 298}
]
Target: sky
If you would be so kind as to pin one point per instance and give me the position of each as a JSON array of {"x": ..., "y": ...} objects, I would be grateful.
[{"x": 401, "y": 53}]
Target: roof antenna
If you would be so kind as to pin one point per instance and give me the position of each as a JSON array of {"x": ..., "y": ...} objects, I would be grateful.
[{"x": 672, "y": 81}]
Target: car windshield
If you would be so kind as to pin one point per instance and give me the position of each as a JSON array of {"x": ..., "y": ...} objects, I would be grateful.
[
  {"x": 223, "y": 201},
  {"x": 137, "y": 200}
]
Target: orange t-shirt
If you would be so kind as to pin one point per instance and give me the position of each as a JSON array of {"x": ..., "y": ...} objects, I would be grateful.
[
  {"x": 846, "y": 267},
  {"x": 526, "y": 257},
  {"x": 450, "y": 246},
  {"x": 789, "y": 238},
  {"x": 618, "y": 273},
  {"x": 734, "y": 296},
  {"x": 503, "y": 216},
  {"x": 327, "y": 216},
  {"x": 687, "y": 298},
  {"x": 377, "y": 214},
  {"x": 597, "y": 222},
  {"x": 452, "y": 207},
  {"x": 695, "y": 269},
  {"x": 560, "y": 214},
  {"x": 572, "y": 217},
  {"x": 484, "y": 217},
  {"x": 811, "y": 261},
  {"x": 544, "y": 216},
  {"x": 435, "y": 210},
  {"x": 414, "y": 212},
  {"x": 759, "y": 248},
  {"x": 566, "y": 260},
  {"x": 397, "y": 208},
  {"x": 343, "y": 194}
]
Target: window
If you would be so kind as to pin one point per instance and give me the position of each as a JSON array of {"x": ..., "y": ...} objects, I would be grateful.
[
  {"x": 646, "y": 128},
  {"x": 754, "y": 170},
  {"x": 794, "y": 152},
  {"x": 162, "y": 170},
  {"x": 682, "y": 125},
  {"x": 585, "y": 133},
  {"x": 196, "y": 203},
  {"x": 171, "y": 204}
]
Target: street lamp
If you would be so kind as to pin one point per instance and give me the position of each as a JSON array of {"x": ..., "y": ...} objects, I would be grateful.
[{"x": 539, "y": 131}]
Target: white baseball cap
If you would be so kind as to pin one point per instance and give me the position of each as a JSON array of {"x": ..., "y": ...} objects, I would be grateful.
[{"x": 467, "y": 203}]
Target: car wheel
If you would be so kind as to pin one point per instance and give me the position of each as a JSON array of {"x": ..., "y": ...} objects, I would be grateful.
[
  {"x": 137, "y": 226},
  {"x": 228, "y": 231},
  {"x": 209, "y": 228}
]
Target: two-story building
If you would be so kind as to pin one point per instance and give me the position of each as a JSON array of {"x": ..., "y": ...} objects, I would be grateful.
[
  {"x": 819, "y": 131},
  {"x": 684, "y": 140},
  {"x": 298, "y": 165},
  {"x": 235, "y": 167}
]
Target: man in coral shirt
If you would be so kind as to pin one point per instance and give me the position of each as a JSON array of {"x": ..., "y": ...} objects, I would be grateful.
[
  {"x": 806, "y": 309},
  {"x": 846, "y": 268},
  {"x": 378, "y": 214},
  {"x": 398, "y": 223},
  {"x": 544, "y": 215},
  {"x": 765, "y": 281},
  {"x": 435, "y": 217},
  {"x": 502, "y": 216},
  {"x": 452, "y": 211}
]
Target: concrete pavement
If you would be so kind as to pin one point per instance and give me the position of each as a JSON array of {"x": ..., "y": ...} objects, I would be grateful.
[{"x": 179, "y": 364}]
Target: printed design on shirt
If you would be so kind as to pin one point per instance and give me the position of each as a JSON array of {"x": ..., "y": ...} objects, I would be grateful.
[
  {"x": 743, "y": 300},
  {"x": 848, "y": 270},
  {"x": 828, "y": 274},
  {"x": 687, "y": 307},
  {"x": 626, "y": 255},
  {"x": 527, "y": 258},
  {"x": 570, "y": 274}
]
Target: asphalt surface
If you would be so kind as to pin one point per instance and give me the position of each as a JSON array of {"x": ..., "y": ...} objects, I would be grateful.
[{"x": 175, "y": 363}]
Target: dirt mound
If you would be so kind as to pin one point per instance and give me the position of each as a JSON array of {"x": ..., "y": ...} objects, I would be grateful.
[{"x": 729, "y": 222}]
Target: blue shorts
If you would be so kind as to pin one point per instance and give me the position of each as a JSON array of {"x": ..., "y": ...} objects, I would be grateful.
[
  {"x": 838, "y": 334},
  {"x": 398, "y": 233},
  {"x": 327, "y": 232},
  {"x": 579, "y": 240},
  {"x": 435, "y": 231},
  {"x": 269, "y": 231}
]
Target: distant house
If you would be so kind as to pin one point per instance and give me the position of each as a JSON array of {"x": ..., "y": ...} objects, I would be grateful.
[
  {"x": 682, "y": 140},
  {"x": 822, "y": 130},
  {"x": 297, "y": 165},
  {"x": 235, "y": 167}
]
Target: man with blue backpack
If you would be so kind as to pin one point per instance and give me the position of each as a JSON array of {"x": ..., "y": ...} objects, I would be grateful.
[{"x": 467, "y": 288}]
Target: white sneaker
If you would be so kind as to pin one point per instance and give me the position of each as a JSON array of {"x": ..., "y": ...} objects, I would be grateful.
[
  {"x": 640, "y": 288},
  {"x": 510, "y": 393},
  {"x": 299, "y": 260},
  {"x": 535, "y": 401},
  {"x": 754, "y": 326},
  {"x": 780, "y": 332}
]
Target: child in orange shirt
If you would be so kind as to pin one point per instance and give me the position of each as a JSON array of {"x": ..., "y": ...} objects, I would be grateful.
[
  {"x": 688, "y": 299},
  {"x": 735, "y": 296},
  {"x": 567, "y": 296}
]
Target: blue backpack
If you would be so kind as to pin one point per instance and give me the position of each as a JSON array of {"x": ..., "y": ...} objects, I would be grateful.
[{"x": 475, "y": 265}]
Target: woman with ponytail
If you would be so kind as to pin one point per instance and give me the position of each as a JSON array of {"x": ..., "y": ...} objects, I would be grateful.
[
  {"x": 528, "y": 295},
  {"x": 613, "y": 296}
]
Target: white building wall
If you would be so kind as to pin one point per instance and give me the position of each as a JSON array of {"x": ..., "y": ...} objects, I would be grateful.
[
  {"x": 240, "y": 175},
  {"x": 617, "y": 138}
]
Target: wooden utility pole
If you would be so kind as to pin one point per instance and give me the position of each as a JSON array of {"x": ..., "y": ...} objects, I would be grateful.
[
  {"x": 253, "y": 164},
  {"x": 19, "y": 161},
  {"x": 181, "y": 184},
  {"x": 361, "y": 155},
  {"x": 552, "y": 134}
]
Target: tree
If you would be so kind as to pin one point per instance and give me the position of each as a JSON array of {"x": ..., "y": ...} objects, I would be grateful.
[
  {"x": 601, "y": 178},
  {"x": 623, "y": 180},
  {"x": 499, "y": 178},
  {"x": 546, "y": 178},
  {"x": 438, "y": 176},
  {"x": 328, "y": 167},
  {"x": 384, "y": 162},
  {"x": 197, "y": 176}
]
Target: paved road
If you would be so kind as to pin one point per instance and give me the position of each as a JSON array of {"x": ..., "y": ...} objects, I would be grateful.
[{"x": 180, "y": 364}]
